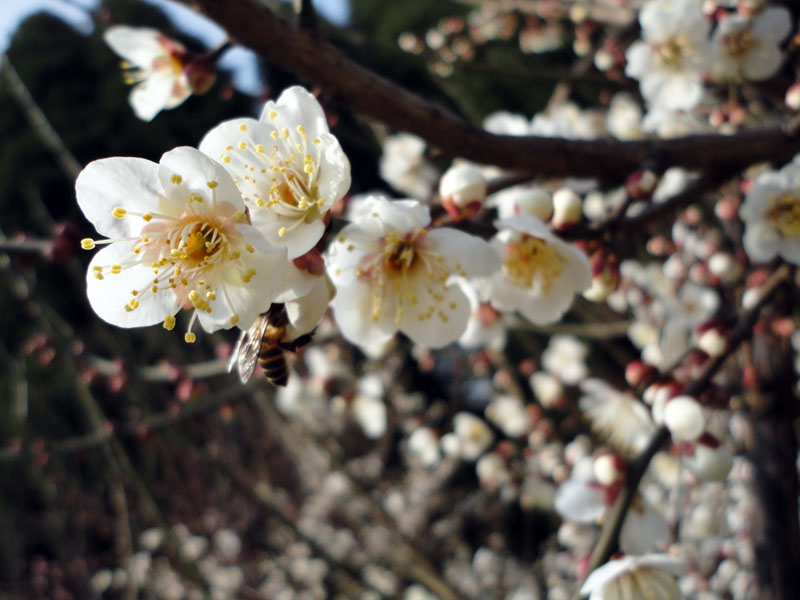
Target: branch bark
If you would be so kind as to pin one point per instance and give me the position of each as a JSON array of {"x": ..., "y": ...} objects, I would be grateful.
[{"x": 313, "y": 59}]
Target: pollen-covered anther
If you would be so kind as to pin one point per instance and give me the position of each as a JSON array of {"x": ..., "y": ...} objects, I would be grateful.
[
  {"x": 119, "y": 212},
  {"x": 87, "y": 244}
]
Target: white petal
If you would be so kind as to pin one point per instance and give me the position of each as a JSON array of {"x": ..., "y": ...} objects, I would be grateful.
[
  {"x": 298, "y": 239},
  {"x": 400, "y": 215},
  {"x": 763, "y": 63},
  {"x": 352, "y": 307},
  {"x": 445, "y": 326},
  {"x": 197, "y": 171},
  {"x": 761, "y": 241},
  {"x": 333, "y": 179},
  {"x": 306, "y": 312},
  {"x": 152, "y": 95},
  {"x": 128, "y": 183},
  {"x": 137, "y": 45},
  {"x": 296, "y": 283},
  {"x": 296, "y": 106},
  {"x": 789, "y": 249},
  {"x": 643, "y": 531},
  {"x": 580, "y": 501},
  {"x": 475, "y": 256},
  {"x": 246, "y": 300},
  {"x": 109, "y": 296}
]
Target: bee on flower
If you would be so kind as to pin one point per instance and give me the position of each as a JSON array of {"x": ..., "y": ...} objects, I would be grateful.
[
  {"x": 178, "y": 237},
  {"x": 289, "y": 168},
  {"x": 393, "y": 273}
]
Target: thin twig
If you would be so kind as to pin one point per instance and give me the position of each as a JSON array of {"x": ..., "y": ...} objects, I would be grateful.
[
  {"x": 615, "y": 518},
  {"x": 41, "y": 126}
]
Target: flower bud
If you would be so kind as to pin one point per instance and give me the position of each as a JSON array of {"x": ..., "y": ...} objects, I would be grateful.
[
  {"x": 684, "y": 418},
  {"x": 534, "y": 201},
  {"x": 793, "y": 97},
  {"x": 567, "y": 208},
  {"x": 637, "y": 372},
  {"x": 712, "y": 341},
  {"x": 462, "y": 190},
  {"x": 641, "y": 185},
  {"x": 608, "y": 469},
  {"x": 724, "y": 266}
]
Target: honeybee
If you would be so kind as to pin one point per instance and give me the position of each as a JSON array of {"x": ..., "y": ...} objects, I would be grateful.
[{"x": 264, "y": 343}]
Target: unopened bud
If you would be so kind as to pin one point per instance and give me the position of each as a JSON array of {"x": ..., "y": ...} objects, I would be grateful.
[
  {"x": 637, "y": 372},
  {"x": 712, "y": 342},
  {"x": 793, "y": 97},
  {"x": 724, "y": 266},
  {"x": 462, "y": 190},
  {"x": 608, "y": 469},
  {"x": 534, "y": 201},
  {"x": 684, "y": 417},
  {"x": 567, "y": 208},
  {"x": 641, "y": 185},
  {"x": 603, "y": 60}
]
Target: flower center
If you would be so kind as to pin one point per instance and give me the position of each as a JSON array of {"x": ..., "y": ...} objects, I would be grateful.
[
  {"x": 531, "y": 258},
  {"x": 401, "y": 258},
  {"x": 670, "y": 53},
  {"x": 739, "y": 43},
  {"x": 784, "y": 213}
]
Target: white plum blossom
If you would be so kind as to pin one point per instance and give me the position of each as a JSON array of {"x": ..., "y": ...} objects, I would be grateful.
[
  {"x": 288, "y": 166},
  {"x": 392, "y": 272},
  {"x": 670, "y": 59},
  {"x": 523, "y": 200},
  {"x": 649, "y": 576},
  {"x": 403, "y": 165},
  {"x": 771, "y": 213},
  {"x": 470, "y": 438},
  {"x": 565, "y": 357},
  {"x": 155, "y": 64},
  {"x": 179, "y": 238},
  {"x": 541, "y": 273},
  {"x": 624, "y": 118},
  {"x": 744, "y": 48},
  {"x": 619, "y": 418}
]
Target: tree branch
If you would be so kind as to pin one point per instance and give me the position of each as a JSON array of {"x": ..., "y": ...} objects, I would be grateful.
[{"x": 312, "y": 58}]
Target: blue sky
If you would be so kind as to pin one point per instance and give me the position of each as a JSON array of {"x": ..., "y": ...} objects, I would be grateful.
[{"x": 239, "y": 60}]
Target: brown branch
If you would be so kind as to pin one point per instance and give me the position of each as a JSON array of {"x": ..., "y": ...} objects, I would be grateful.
[
  {"x": 614, "y": 520},
  {"x": 313, "y": 59}
]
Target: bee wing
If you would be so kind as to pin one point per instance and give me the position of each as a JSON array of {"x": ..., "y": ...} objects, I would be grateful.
[{"x": 245, "y": 355}]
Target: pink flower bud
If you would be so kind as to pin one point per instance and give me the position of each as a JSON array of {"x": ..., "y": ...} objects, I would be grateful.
[
  {"x": 793, "y": 97},
  {"x": 641, "y": 185}
]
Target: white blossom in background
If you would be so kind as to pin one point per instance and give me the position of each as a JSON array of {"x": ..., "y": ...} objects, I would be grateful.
[
  {"x": 424, "y": 445},
  {"x": 403, "y": 166},
  {"x": 619, "y": 418},
  {"x": 565, "y": 357},
  {"x": 179, "y": 238},
  {"x": 683, "y": 416},
  {"x": 541, "y": 273},
  {"x": 288, "y": 166},
  {"x": 567, "y": 120},
  {"x": 771, "y": 213},
  {"x": 747, "y": 48},
  {"x": 671, "y": 58},
  {"x": 584, "y": 499},
  {"x": 667, "y": 123},
  {"x": 392, "y": 273},
  {"x": 650, "y": 576},
  {"x": 509, "y": 414},
  {"x": 155, "y": 64},
  {"x": 470, "y": 438}
]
